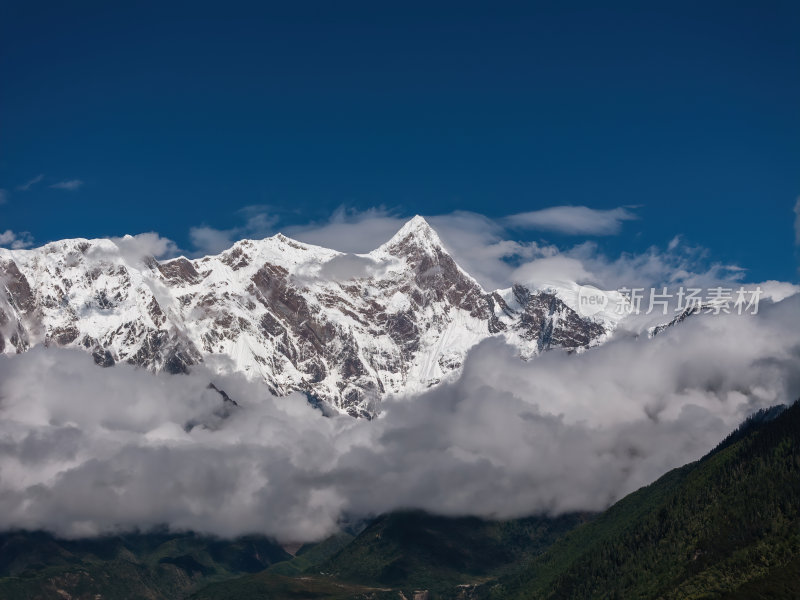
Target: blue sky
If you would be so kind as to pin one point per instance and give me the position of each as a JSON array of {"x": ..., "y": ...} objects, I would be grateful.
[{"x": 171, "y": 116}]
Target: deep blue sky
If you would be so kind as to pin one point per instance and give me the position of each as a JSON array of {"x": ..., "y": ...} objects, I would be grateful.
[{"x": 176, "y": 115}]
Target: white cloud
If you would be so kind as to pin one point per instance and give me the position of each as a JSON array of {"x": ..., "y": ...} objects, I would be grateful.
[
  {"x": 71, "y": 185},
  {"x": 86, "y": 450},
  {"x": 679, "y": 264},
  {"x": 351, "y": 231},
  {"x": 349, "y": 266},
  {"x": 136, "y": 247},
  {"x": 30, "y": 183},
  {"x": 476, "y": 242},
  {"x": 482, "y": 247},
  {"x": 209, "y": 240},
  {"x": 553, "y": 270},
  {"x": 777, "y": 290},
  {"x": 573, "y": 220},
  {"x": 16, "y": 241}
]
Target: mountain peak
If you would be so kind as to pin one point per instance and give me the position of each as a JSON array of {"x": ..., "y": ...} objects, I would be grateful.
[
  {"x": 416, "y": 231},
  {"x": 417, "y": 222}
]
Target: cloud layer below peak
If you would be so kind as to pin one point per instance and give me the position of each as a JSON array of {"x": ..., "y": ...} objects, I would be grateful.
[{"x": 85, "y": 450}]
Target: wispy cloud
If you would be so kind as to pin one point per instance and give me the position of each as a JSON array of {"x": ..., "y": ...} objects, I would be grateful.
[
  {"x": 16, "y": 241},
  {"x": 3, "y": 196},
  {"x": 259, "y": 223},
  {"x": 208, "y": 240},
  {"x": 70, "y": 184},
  {"x": 349, "y": 230},
  {"x": 573, "y": 220},
  {"x": 30, "y": 183}
]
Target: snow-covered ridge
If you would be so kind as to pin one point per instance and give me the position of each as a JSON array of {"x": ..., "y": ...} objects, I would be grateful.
[{"x": 345, "y": 329}]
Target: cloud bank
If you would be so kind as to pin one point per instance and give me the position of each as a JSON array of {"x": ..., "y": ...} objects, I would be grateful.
[{"x": 85, "y": 450}]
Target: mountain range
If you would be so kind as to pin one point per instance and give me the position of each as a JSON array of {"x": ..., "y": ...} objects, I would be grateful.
[{"x": 347, "y": 330}]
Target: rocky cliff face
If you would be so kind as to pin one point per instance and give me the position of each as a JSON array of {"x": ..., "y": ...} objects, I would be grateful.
[{"x": 345, "y": 329}]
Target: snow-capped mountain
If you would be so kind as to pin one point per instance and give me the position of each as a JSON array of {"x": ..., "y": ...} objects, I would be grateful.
[{"x": 345, "y": 329}]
